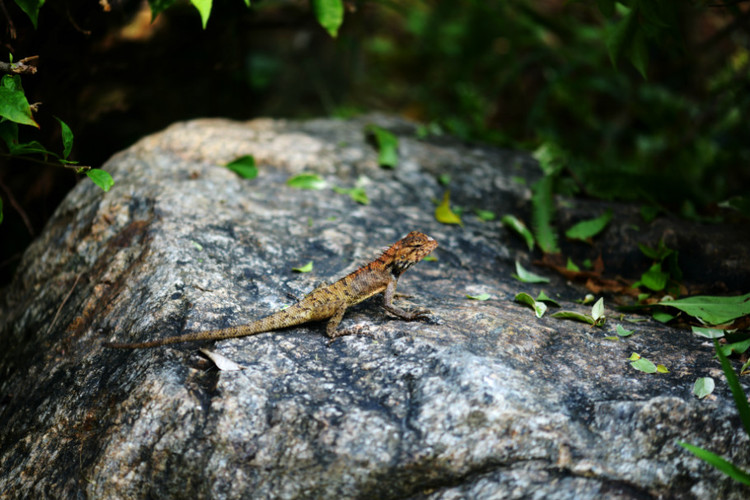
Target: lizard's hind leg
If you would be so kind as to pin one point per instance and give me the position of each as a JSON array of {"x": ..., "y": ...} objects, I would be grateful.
[{"x": 334, "y": 332}]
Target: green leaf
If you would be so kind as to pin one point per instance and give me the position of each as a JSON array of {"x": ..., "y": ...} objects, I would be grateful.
[
  {"x": 655, "y": 279},
  {"x": 621, "y": 37},
  {"x": 703, "y": 387},
  {"x": 552, "y": 159},
  {"x": 444, "y": 179},
  {"x": 443, "y": 212},
  {"x": 33, "y": 147},
  {"x": 709, "y": 333},
  {"x": 67, "y": 138},
  {"x": 659, "y": 253},
  {"x": 15, "y": 107},
  {"x": 643, "y": 365},
  {"x": 12, "y": 82},
  {"x": 158, "y": 6},
  {"x": 662, "y": 317},
  {"x": 357, "y": 194},
  {"x": 638, "y": 53},
  {"x": 387, "y": 146},
  {"x": 9, "y": 133},
  {"x": 672, "y": 267},
  {"x": 304, "y": 269},
  {"x": 724, "y": 466},
  {"x": 597, "y": 310},
  {"x": 635, "y": 320},
  {"x": 485, "y": 215},
  {"x": 31, "y": 8},
  {"x": 101, "y": 178},
  {"x": 712, "y": 310},
  {"x": 542, "y": 297},
  {"x": 481, "y": 296},
  {"x": 244, "y": 166},
  {"x": 735, "y": 348},
  {"x": 575, "y": 316},
  {"x": 527, "y": 276},
  {"x": 649, "y": 212},
  {"x": 739, "y": 203},
  {"x": 306, "y": 181},
  {"x": 204, "y": 7},
  {"x": 661, "y": 369},
  {"x": 571, "y": 266},
  {"x": 432, "y": 128},
  {"x": 197, "y": 246},
  {"x": 542, "y": 214},
  {"x": 622, "y": 332},
  {"x": 519, "y": 227},
  {"x": 589, "y": 228},
  {"x": 539, "y": 307},
  {"x": 330, "y": 14}
]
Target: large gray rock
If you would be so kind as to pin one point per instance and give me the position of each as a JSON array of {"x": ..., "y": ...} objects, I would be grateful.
[{"x": 483, "y": 401}]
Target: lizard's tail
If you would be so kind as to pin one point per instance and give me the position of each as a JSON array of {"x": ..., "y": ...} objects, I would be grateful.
[
  {"x": 141, "y": 345},
  {"x": 224, "y": 333},
  {"x": 291, "y": 316}
]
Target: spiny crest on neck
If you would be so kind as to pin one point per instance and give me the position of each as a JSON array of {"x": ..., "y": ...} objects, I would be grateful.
[{"x": 407, "y": 251}]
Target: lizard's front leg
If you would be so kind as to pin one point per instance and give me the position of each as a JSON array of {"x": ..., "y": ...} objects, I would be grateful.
[{"x": 388, "y": 295}]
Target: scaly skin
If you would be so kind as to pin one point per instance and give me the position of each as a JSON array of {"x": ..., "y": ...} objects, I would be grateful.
[{"x": 328, "y": 302}]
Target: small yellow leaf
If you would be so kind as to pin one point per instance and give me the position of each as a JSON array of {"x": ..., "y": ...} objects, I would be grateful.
[
  {"x": 443, "y": 212},
  {"x": 661, "y": 369}
]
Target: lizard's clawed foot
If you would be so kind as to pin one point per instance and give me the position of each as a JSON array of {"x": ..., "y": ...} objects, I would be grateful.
[
  {"x": 354, "y": 330},
  {"x": 417, "y": 314}
]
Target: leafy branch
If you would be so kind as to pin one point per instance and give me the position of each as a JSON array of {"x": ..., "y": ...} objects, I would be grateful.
[
  {"x": 15, "y": 110},
  {"x": 25, "y": 66}
]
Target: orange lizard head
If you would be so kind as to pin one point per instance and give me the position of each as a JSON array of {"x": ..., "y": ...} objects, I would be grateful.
[{"x": 407, "y": 251}]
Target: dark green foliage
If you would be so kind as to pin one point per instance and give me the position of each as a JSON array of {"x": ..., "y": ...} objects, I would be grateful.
[{"x": 520, "y": 73}]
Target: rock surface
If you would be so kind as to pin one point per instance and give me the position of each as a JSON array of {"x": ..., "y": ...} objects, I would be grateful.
[{"x": 483, "y": 401}]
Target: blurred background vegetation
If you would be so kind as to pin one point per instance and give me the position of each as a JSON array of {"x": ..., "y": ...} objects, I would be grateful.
[{"x": 641, "y": 100}]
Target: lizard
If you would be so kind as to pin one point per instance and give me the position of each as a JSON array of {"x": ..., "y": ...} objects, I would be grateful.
[{"x": 327, "y": 302}]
